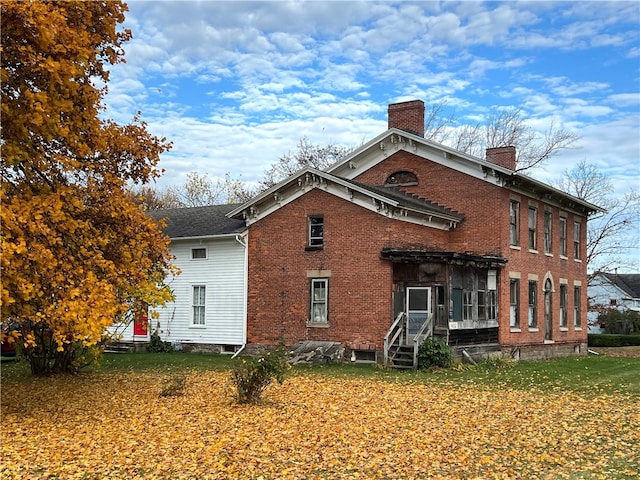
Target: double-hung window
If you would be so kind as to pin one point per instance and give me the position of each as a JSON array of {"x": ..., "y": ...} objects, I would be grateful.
[
  {"x": 514, "y": 222},
  {"x": 563, "y": 237},
  {"x": 467, "y": 303},
  {"x": 563, "y": 306},
  {"x": 319, "y": 300},
  {"x": 533, "y": 307},
  {"x": 532, "y": 228},
  {"x": 576, "y": 240},
  {"x": 491, "y": 294},
  {"x": 576, "y": 307},
  {"x": 198, "y": 304},
  {"x": 316, "y": 232},
  {"x": 514, "y": 300},
  {"x": 547, "y": 231}
]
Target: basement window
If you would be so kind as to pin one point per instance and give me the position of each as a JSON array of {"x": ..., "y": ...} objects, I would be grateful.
[{"x": 363, "y": 356}]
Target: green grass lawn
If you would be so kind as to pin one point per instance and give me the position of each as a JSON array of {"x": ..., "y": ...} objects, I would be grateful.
[{"x": 587, "y": 374}]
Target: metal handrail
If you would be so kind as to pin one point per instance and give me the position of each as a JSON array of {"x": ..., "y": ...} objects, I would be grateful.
[
  {"x": 391, "y": 336},
  {"x": 427, "y": 324}
]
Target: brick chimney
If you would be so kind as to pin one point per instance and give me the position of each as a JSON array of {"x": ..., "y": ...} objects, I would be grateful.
[
  {"x": 407, "y": 116},
  {"x": 503, "y": 156}
]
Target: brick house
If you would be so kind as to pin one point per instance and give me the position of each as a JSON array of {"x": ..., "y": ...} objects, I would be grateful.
[{"x": 406, "y": 238}]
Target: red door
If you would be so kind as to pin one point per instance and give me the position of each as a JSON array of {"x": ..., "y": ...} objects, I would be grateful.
[{"x": 141, "y": 324}]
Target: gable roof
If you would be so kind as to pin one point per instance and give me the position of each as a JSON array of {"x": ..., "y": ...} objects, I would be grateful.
[
  {"x": 629, "y": 283},
  {"x": 384, "y": 201},
  {"x": 393, "y": 140},
  {"x": 210, "y": 221}
]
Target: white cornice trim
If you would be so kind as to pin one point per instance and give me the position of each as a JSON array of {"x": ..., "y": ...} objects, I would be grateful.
[
  {"x": 308, "y": 179},
  {"x": 394, "y": 140}
]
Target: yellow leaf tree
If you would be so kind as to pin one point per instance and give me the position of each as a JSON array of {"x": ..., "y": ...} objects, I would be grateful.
[{"x": 77, "y": 252}]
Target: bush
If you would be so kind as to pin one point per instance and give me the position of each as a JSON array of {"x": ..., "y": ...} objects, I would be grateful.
[
  {"x": 157, "y": 345},
  {"x": 253, "y": 375},
  {"x": 620, "y": 321},
  {"x": 606, "y": 340},
  {"x": 434, "y": 353}
]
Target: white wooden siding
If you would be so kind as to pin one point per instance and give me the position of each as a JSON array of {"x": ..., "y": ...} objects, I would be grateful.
[{"x": 223, "y": 273}]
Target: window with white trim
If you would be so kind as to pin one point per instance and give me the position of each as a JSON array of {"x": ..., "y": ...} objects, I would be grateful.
[
  {"x": 198, "y": 304},
  {"x": 316, "y": 231},
  {"x": 319, "y": 300},
  {"x": 576, "y": 240},
  {"x": 198, "y": 253}
]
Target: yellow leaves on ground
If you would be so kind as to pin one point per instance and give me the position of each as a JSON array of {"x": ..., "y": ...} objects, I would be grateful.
[{"x": 312, "y": 426}]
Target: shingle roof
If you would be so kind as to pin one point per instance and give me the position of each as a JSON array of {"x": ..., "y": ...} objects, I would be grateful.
[
  {"x": 408, "y": 200},
  {"x": 199, "y": 221},
  {"x": 628, "y": 282}
]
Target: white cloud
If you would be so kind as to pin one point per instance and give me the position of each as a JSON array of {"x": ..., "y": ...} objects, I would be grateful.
[
  {"x": 263, "y": 74},
  {"x": 625, "y": 99}
]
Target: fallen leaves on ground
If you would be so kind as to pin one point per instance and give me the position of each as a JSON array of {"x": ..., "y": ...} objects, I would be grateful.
[{"x": 313, "y": 426}]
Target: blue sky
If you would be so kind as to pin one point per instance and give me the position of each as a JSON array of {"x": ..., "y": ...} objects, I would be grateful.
[{"x": 234, "y": 85}]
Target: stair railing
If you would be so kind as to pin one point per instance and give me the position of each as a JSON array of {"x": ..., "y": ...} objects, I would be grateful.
[
  {"x": 426, "y": 330},
  {"x": 396, "y": 330}
]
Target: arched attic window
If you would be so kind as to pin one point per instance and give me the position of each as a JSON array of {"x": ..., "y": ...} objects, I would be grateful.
[{"x": 401, "y": 179}]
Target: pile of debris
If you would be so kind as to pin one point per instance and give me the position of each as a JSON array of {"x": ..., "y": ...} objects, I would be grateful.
[{"x": 316, "y": 352}]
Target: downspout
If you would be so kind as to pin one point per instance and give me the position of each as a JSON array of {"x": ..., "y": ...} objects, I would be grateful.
[
  {"x": 238, "y": 351},
  {"x": 241, "y": 239}
]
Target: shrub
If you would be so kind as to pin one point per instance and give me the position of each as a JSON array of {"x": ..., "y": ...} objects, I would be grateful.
[
  {"x": 157, "y": 345},
  {"x": 434, "y": 353},
  {"x": 620, "y": 321},
  {"x": 253, "y": 375}
]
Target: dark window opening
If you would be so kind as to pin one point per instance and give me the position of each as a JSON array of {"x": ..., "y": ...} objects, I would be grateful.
[{"x": 402, "y": 178}]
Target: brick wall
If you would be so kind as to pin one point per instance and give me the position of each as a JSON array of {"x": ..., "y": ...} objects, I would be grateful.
[
  {"x": 360, "y": 303},
  {"x": 538, "y": 265},
  {"x": 485, "y": 231}
]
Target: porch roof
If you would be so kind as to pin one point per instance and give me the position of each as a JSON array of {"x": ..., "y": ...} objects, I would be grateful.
[{"x": 453, "y": 258}]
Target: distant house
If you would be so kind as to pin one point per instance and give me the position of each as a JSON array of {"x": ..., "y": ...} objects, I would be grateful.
[
  {"x": 407, "y": 238},
  {"x": 208, "y": 312},
  {"x": 612, "y": 290}
]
